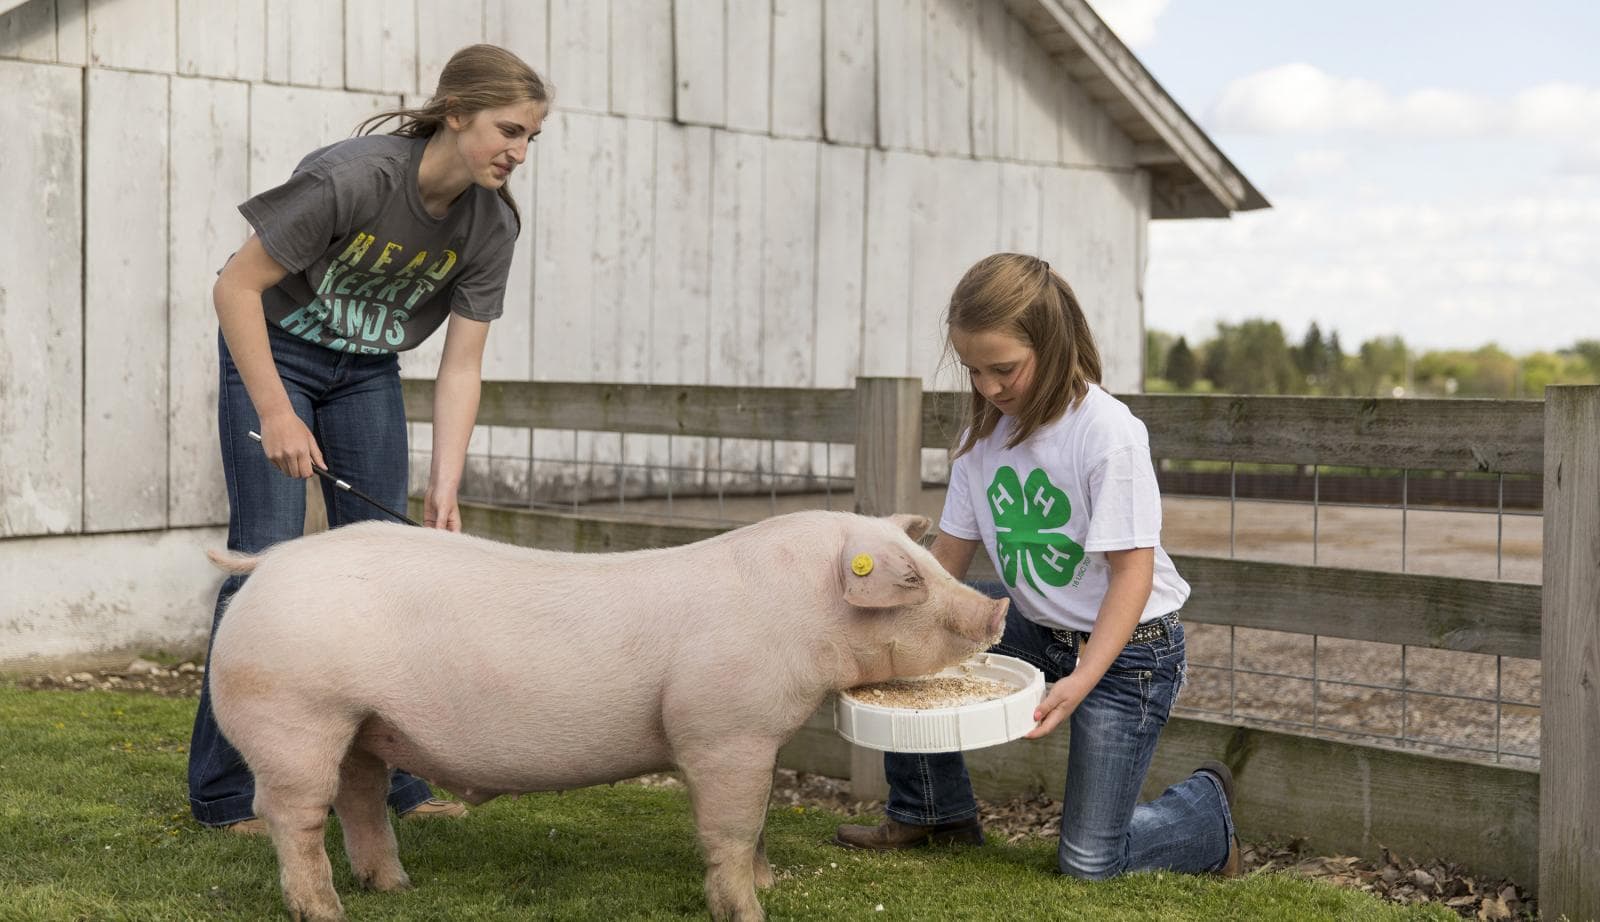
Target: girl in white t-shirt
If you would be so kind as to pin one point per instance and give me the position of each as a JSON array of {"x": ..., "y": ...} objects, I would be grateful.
[{"x": 1053, "y": 479}]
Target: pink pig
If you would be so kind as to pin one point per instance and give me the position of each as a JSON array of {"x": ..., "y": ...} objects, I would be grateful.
[{"x": 491, "y": 669}]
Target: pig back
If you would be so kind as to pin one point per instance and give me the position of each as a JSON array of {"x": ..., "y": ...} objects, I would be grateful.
[{"x": 487, "y": 651}]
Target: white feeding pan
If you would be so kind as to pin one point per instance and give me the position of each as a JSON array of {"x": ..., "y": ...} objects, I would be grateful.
[{"x": 905, "y": 715}]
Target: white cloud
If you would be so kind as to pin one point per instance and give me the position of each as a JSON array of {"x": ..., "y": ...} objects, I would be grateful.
[
  {"x": 1584, "y": 158},
  {"x": 1300, "y": 99},
  {"x": 1134, "y": 21},
  {"x": 1310, "y": 170},
  {"x": 1455, "y": 273},
  {"x": 1558, "y": 110}
]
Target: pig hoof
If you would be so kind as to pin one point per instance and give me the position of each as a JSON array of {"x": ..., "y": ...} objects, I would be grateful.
[
  {"x": 317, "y": 913},
  {"x": 385, "y": 881},
  {"x": 737, "y": 911}
]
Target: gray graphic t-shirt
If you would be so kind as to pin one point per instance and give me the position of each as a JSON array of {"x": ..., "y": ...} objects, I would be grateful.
[{"x": 370, "y": 270}]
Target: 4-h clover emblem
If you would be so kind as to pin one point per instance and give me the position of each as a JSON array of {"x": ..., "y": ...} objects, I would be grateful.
[{"x": 1023, "y": 515}]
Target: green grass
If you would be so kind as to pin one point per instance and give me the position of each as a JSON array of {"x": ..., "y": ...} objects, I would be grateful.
[{"x": 94, "y": 826}]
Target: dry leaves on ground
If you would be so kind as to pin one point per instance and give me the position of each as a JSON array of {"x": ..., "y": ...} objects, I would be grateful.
[{"x": 1392, "y": 877}]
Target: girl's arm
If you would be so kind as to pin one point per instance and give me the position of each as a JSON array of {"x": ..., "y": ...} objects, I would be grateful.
[
  {"x": 954, "y": 554},
  {"x": 455, "y": 409},
  {"x": 289, "y": 445},
  {"x": 1132, "y": 575}
]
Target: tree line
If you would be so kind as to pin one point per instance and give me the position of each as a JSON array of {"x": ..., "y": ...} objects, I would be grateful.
[{"x": 1255, "y": 357}]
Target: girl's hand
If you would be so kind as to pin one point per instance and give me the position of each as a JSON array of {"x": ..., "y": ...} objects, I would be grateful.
[
  {"x": 1058, "y": 705},
  {"x": 289, "y": 445},
  {"x": 439, "y": 510}
]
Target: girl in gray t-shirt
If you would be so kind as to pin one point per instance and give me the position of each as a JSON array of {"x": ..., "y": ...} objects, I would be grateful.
[{"x": 370, "y": 246}]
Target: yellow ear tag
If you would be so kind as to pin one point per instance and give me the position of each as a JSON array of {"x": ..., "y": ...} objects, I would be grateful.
[{"x": 861, "y": 565}]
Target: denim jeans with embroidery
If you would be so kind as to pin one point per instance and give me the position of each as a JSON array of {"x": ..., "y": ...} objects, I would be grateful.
[
  {"x": 1105, "y": 831},
  {"x": 353, "y": 406}
]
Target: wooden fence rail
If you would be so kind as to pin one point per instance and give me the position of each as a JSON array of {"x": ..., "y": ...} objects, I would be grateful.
[
  {"x": 1506, "y": 436},
  {"x": 1341, "y": 795}
]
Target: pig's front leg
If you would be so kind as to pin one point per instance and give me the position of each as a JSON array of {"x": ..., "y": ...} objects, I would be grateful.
[{"x": 730, "y": 782}]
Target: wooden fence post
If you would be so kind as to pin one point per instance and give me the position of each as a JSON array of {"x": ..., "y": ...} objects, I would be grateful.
[
  {"x": 1569, "y": 725},
  {"x": 888, "y": 480}
]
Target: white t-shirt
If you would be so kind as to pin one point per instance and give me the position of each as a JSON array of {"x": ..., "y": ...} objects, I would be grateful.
[{"x": 1048, "y": 510}]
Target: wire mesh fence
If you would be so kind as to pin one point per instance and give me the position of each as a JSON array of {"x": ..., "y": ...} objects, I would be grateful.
[{"x": 1444, "y": 702}]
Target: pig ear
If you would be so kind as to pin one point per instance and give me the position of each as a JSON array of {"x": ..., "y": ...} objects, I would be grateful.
[
  {"x": 884, "y": 579},
  {"x": 915, "y": 526}
]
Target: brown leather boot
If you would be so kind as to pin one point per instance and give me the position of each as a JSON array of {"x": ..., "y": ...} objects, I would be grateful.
[
  {"x": 890, "y": 835},
  {"x": 1233, "y": 864},
  {"x": 254, "y": 826},
  {"x": 434, "y": 808}
]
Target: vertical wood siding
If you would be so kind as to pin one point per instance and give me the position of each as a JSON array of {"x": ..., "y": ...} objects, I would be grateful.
[
  {"x": 41, "y": 300},
  {"x": 125, "y": 302},
  {"x": 728, "y": 191}
]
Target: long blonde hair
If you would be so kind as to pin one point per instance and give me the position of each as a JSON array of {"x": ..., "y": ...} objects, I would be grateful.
[
  {"x": 1022, "y": 296},
  {"x": 475, "y": 78}
]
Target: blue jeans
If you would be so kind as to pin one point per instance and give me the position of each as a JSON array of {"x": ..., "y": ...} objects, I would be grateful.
[
  {"x": 354, "y": 408},
  {"x": 1105, "y": 831}
]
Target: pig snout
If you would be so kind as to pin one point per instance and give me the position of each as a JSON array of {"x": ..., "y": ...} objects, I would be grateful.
[
  {"x": 983, "y": 619},
  {"x": 997, "y": 621}
]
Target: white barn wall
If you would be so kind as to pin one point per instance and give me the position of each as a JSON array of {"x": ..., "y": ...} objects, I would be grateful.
[
  {"x": 680, "y": 317},
  {"x": 749, "y": 64},
  {"x": 523, "y": 26},
  {"x": 80, "y": 595},
  {"x": 993, "y": 88},
  {"x": 797, "y": 68},
  {"x": 641, "y": 58},
  {"x": 947, "y": 74},
  {"x": 902, "y": 82},
  {"x": 580, "y": 54},
  {"x": 789, "y": 283},
  {"x": 564, "y": 306},
  {"x": 442, "y": 27},
  {"x": 125, "y": 302},
  {"x": 850, "y": 72},
  {"x": 208, "y": 177},
  {"x": 1091, "y": 218},
  {"x": 841, "y": 243},
  {"x": 134, "y": 34},
  {"x": 738, "y": 282},
  {"x": 41, "y": 309},
  {"x": 380, "y": 48},
  {"x": 222, "y": 39},
  {"x": 730, "y": 191},
  {"x": 72, "y": 32},
  {"x": 29, "y": 32},
  {"x": 305, "y": 42},
  {"x": 699, "y": 47}
]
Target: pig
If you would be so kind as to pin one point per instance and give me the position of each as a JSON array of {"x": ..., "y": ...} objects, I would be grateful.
[{"x": 492, "y": 669}]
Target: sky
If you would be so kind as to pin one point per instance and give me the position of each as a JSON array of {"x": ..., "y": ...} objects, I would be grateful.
[{"x": 1433, "y": 166}]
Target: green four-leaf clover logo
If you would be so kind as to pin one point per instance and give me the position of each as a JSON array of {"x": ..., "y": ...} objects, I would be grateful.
[{"x": 1023, "y": 513}]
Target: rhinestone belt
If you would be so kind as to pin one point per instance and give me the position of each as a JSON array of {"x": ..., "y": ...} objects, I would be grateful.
[{"x": 1159, "y": 629}]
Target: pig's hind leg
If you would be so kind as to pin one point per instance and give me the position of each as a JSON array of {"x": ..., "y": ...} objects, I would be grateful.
[
  {"x": 729, "y": 786},
  {"x": 368, "y": 836},
  {"x": 294, "y": 753}
]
